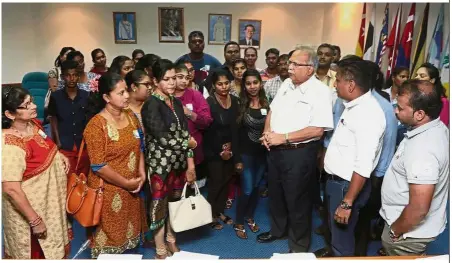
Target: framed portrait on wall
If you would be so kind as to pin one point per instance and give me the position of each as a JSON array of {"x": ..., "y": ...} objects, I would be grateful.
[
  {"x": 250, "y": 32},
  {"x": 125, "y": 25},
  {"x": 219, "y": 29},
  {"x": 171, "y": 25}
]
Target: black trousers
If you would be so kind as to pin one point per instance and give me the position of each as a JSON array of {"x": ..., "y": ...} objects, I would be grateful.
[
  {"x": 291, "y": 176},
  {"x": 220, "y": 175},
  {"x": 367, "y": 213}
]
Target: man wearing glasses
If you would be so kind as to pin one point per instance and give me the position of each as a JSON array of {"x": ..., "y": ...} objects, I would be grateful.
[
  {"x": 68, "y": 118},
  {"x": 299, "y": 115}
]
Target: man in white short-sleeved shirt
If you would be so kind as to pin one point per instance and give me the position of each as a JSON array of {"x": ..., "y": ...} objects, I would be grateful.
[
  {"x": 299, "y": 114},
  {"x": 415, "y": 188},
  {"x": 352, "y": 154}
]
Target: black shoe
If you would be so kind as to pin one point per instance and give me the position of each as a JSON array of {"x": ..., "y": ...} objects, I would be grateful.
[
  {"x": 324, "y": 253},
  {"x": 321, "y": 230},
  {"x": 266, "y": 238},
  {"x": 290, "y": 251}
]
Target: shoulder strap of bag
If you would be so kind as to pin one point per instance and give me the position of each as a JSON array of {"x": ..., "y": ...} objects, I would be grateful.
[{"x": 80, "y": 151}]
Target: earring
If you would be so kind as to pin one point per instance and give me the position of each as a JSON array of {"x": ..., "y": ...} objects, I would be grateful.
[{"x": 133, "y": 90}]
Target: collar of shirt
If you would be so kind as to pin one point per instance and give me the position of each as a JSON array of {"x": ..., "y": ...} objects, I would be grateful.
[
  {"x": 358, "y": 100},
  {"x": 66, "y": 95},
  {"x": 303, "y": 87},
  {"x": 422, "y": 128},
  {"x": 329, "y": 75}
]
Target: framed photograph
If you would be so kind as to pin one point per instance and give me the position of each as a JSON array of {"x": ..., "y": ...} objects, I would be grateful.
[
  {"x": 250, "y": 33},
  {"x": 125, "y": 25},
  {"x": 219, "y": 29},
  {"x": 171, "y": 25}
]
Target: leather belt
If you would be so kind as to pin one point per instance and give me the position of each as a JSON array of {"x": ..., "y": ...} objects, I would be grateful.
[
  {"x": 290, "y": 146},
  {"x": 335, "y": 178}
]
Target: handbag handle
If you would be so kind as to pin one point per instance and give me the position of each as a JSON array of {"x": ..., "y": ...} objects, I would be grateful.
[
  {"x": 80, "y": 151},
  {"x": 185, "y": 190},
  {"x": 69, "y": 196}
]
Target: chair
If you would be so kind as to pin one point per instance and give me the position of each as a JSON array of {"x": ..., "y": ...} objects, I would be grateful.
[{"x": 37, "y": 84}]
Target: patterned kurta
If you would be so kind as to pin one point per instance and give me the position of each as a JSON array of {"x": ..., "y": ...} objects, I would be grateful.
[
  {"x": 123, "y": 217},
  {"x": 37, "y": 164}
]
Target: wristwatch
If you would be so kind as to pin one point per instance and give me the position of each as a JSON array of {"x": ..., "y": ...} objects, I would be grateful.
[
  {"x": 392, "y": 234},
  {"x": 344, "y": 205}
]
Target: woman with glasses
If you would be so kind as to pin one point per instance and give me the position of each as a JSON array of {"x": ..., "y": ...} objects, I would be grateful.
[
  {"x": 139, "y": 88},
  {"x": 34, "y": 182},
  {"x": 196, "y": 111}
]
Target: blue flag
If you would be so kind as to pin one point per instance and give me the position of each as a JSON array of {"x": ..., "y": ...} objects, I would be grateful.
[
  {"x": 436, "y": 45},
  {"x": 383, "y": 38}
]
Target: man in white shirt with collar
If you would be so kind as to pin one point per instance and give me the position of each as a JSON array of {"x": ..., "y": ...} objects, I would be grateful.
[
  {"x": 415, "y": 188},
  {"x": 352, "y": 154},
  {"x": 299, "y": 115}
]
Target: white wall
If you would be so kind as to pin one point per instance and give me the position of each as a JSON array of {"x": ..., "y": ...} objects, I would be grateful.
[{"x": 33, "y": 33}]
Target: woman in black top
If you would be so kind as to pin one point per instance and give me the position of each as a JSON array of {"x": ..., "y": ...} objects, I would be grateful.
[
  {"x": 252, "y": 115},
  {"x": 169, "y": 155},
  {"x": 220, "y": 145}
]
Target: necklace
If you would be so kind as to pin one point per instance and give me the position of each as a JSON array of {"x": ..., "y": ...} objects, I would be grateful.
[
  {"x": 21, "y": 133},
  {"x": 112, "y": 116},
  {"x": 171, "y": 105},
  {"x": 228, "y": 102}
]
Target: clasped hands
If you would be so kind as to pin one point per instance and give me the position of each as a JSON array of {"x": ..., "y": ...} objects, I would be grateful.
[{"x": 272, "y": 139}]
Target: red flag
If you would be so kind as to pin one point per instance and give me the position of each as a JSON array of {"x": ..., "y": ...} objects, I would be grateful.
[
  {"x": 393, "y": 42},
  {"x": 362, "y": 32},
  {"x": 404, "y": 52}
]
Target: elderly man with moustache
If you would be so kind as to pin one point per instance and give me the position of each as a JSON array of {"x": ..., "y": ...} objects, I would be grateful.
[{"x": 299, "y": 115}]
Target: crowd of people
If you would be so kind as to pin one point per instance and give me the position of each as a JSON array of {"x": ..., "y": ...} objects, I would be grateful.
[{"x": 310, "y": 122}]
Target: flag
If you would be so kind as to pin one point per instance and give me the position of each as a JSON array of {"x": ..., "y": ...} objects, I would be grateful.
[
  {"x": 419, "y": 55},
  {"x": 369, "y": 47},
  {"x": 362, "y": 32},
  {"x": 445, "y": 65},
  {"x": 383, "y": 38},
  {"x": 436, "y": 45},
  {"x": 393, "y": 41},
  {"x": 404, "y": 52}
]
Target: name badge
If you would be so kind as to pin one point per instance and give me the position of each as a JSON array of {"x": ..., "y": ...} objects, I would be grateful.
[
  {"x": 264, "y": 112},
  {"x": 136, "y": 134},
  {"x": 189, "y": 106},
  {"x": 43, "y": 134}
]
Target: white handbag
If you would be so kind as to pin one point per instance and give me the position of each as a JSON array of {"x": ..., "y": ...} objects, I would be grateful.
[{"x": 190, "y": 212}]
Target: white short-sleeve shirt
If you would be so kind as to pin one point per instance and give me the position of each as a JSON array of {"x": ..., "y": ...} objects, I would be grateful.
[
  {"x": 357, "y": 140},
  {"x": 421, "y": 158},
  {"x": 307, "y": 105}
]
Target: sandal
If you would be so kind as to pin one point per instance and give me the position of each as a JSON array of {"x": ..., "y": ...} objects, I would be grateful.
[
  {"x": 240, "y": 231},
  {"x": 227, "y": 220},
  {"x": 229, "y": 203},
  {"x": 216, "y": 225},
  {"x": 252, "y": 225}
]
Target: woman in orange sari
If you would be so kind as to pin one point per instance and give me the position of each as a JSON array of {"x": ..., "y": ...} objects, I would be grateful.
[
  {"x": 33, "y": 183},
  {"x": 114, "y": 146}
]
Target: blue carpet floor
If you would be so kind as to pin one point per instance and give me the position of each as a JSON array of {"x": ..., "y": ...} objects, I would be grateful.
[{"x": 225, "y": 244}]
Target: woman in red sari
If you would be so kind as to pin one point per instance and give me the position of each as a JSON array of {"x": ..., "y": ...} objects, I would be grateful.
[{"x": 33, "y": 183}]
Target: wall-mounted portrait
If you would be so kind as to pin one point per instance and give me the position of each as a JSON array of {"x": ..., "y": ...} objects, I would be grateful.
[
  {"x": 125, "y": 27},
  {"x": 171, "y": 25},
  {"x": 250, "y": 33},
  {"x": 219, "y": 29}
]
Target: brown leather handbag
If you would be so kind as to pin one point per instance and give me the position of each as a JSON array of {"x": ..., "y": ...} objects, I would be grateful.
[{"x": 84, "y": 203}]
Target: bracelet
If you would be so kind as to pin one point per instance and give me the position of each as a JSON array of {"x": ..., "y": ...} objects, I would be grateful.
[
  {"x": 35, "y": 222},
  {"x": 190, "y": 154}
]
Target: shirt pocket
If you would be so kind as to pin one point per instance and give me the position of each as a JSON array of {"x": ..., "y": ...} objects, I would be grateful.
[
  {"x": 345, "y": 134},
  {"x": 302, "y": 113}
]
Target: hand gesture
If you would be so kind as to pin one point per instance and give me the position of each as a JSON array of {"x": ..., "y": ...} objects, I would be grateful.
[{"x": 66, "y": 164}]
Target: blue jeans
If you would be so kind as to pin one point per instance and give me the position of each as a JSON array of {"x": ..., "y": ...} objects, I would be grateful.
[
  {"x": 253, "y": 171},
  {"x": 343, "y": 236}
]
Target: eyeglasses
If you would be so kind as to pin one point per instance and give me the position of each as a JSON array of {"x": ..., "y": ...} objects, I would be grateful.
[
  {"x": 147, "y": 84},
  {"x": 297, "y": 64},
  {"x": 26, "y": 105}
]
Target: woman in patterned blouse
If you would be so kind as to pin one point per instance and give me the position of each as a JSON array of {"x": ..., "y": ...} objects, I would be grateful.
[
  {"x": 115, "y": 150},
  {"x": 169, "y": 157}
]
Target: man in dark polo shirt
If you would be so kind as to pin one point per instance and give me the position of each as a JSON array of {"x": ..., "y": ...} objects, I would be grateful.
[{"x": 68, "y": 118}]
